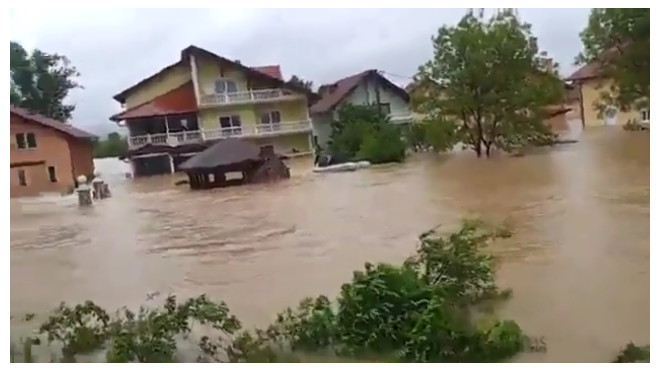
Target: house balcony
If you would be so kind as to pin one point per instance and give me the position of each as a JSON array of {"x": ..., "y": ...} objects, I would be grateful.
[
  {"x": 171, "y": 139},
  {"x": 243, "y": 97},
  {"x": 197, "y": 136},
  {"x": 259, "y": 130}
]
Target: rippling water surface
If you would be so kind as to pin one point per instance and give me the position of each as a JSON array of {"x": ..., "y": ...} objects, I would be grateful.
[{"x": 578, "y": 263}]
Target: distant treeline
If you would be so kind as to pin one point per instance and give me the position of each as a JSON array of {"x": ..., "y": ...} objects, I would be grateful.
[{"x": 114, "y": 145}]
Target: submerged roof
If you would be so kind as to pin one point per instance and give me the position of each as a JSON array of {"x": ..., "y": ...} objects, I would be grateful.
[
  {"x": 51, "y": 123},
  {"x": 333, "y": 94},
  {"x": 225, "y": 152}
]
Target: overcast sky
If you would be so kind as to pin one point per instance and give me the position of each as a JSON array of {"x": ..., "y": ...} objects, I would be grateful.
[{"x": 114, "y": 48}]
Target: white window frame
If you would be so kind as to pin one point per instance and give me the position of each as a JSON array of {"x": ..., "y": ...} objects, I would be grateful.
[
  {"x": 25, "y": 140},
  {"x": 270, "y": 117},
  {"x": 232, "y": 124},
  {"x": 224, "y": 82},
  {"x": 645, "y": 115}
]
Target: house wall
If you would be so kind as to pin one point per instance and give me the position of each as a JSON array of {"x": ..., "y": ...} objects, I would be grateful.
[
  {"x": 286, "y": 144},
  {"x": 365, "y": 93},
  {"x": 290, "y": 111},
  {"x": 210, "y": 71},
  {"x": 53, "y": 148},
  {"x": 591, "y": 91},
  {"x": 167, "y": 81}
]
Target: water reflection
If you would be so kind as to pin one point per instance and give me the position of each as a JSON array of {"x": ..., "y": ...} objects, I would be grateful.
[{"x": 578, "y": 264}]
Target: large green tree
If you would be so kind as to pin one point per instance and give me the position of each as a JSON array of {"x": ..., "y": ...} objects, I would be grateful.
[
  {"x": 618, "y": 40},
  {"x": 40, "y": 81},
  {"x": 492, "y": 85}
]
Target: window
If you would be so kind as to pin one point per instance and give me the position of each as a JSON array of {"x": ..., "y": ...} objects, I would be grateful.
[
  {"x": 385, "y": 108},
  {"x": 646, "y": 115},
  {"x": 26, "y": 140},
  {"x": 22, "y": 180},
  {"x": 52, "y": 175},
  {"x": 225, "y": 86},
  {"x": 231, "y": 125},
  {"x": 272, "y": 117}
]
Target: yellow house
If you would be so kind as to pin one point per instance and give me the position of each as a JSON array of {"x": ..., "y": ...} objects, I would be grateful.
[
  {"x": 204, "y": 97},
  {"x": 590, "y": 84}
]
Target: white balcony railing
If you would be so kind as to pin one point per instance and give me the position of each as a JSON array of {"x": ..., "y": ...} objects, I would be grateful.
[
  {"x": 188, "y": 137},
  {"x": 171, "y": 139},
  {"x": 243, "y": 97},
  {"x": 401, "y": 118},
  {"x": 259, "y": 130}
]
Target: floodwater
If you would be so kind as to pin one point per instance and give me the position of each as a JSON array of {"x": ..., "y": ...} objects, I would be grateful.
[{"x": 578, "y": 263}]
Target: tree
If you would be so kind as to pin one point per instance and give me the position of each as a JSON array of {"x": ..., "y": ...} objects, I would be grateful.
[
  {"x": 618, "y": 41},
  {"x": 361, "y": 133},
  {"x": 114, "y": 145},
  {"x": 491, "y": 84},
  {"x": 40, "y": 82},
  {"x": 301, "y": 82}
]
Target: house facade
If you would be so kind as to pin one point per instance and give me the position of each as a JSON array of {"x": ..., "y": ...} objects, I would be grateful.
[
  {"x": 366, "y": 88},
  {"x": 204, "y": 97},
  {"x": 590, "y": 84},
  {"x": 46, "y": 155}
]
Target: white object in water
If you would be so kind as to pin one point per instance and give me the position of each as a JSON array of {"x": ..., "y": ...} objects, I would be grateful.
[{"x": 347, "y": 166}]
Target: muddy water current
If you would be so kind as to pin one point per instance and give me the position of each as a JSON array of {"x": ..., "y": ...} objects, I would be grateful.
[{"x": 578, "y": 262}]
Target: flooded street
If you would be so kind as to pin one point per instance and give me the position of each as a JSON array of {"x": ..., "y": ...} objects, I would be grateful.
[{"x": 578, "y": 262}]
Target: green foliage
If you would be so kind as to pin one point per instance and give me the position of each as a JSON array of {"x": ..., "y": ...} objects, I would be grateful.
[
  {"x": 491, "y": 85},
  {"x": 40, "y": 82},
  {"x": 301, "y": 82},
  {"x": 363, "y": 133},
  {"x": 434, "y": 307},
  {"x": 634, "y": 354},
  {"x": 425, "y": 310},
  {"x": 114, "y": 145},
  {"x": 618, "y": 40}
]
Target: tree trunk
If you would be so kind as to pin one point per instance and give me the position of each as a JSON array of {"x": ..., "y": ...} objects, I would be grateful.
[
  {"x": 477, "y": 148},
  {"x": 488, "y": 147}
]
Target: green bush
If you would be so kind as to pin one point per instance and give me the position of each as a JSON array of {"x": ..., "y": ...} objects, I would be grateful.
[
  {"x": 434, "y": 307},
  {"x": 361, "y": 133}
]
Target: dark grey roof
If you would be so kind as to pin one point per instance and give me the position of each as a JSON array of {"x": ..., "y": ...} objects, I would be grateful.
[{"x": 225, "y": 152}]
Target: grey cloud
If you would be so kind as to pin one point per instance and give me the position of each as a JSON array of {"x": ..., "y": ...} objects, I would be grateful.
[{"x": 114, "y": 49}]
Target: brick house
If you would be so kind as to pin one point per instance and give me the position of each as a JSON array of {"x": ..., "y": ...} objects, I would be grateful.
[{"x": 46, "y": 155}]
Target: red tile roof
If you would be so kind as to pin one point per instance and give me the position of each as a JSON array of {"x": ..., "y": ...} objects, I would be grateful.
[
  {"x": 333, "y": 94},
  {"x": 177, "y": 101},
  {"x": 272, "y": 71},
  {"x": 51, "y": 123},
  {"x": 594, "y": 69}
]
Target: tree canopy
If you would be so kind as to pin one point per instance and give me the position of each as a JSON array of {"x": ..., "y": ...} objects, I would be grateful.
[
  {"x": 40, "y": 82},
  {"x": 114, "y": 145},
  {"x": 362, "y": 133},
  {"x": 618, "y": 40},
  {"x": 491, "y": 84},
  {"x": 308, "y": 84}
]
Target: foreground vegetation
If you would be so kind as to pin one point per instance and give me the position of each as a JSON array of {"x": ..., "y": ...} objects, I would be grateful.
[{"x": 434, "y": 307}]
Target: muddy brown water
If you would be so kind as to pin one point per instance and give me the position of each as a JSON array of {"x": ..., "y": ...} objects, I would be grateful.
[{"x": 578, "y": 263}]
